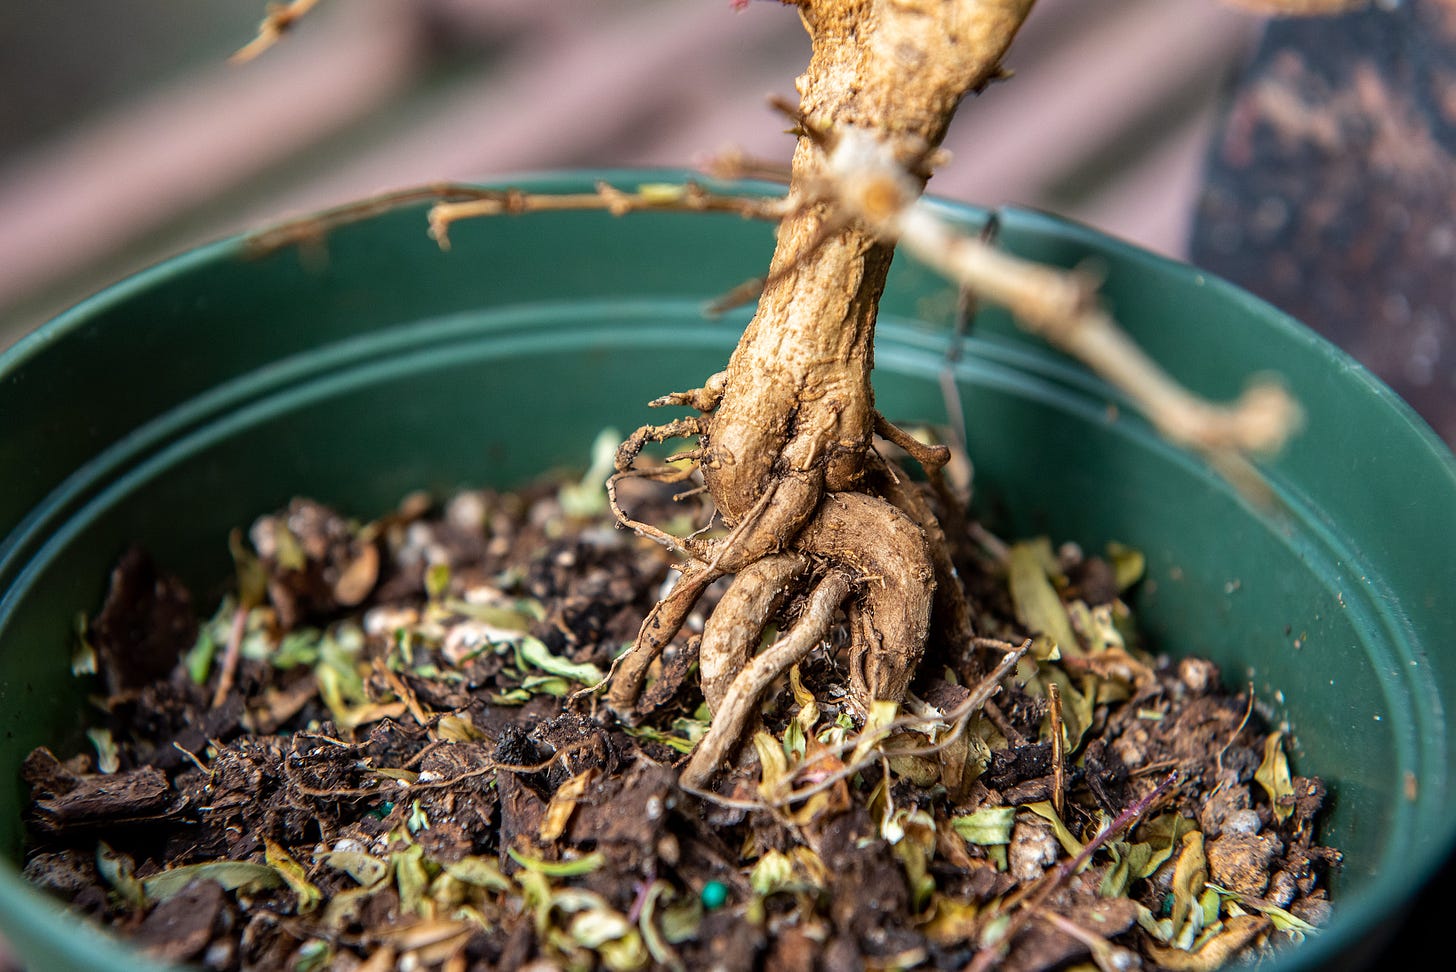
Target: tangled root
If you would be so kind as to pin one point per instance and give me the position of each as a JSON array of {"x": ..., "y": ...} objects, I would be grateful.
[{"x": 878, "y": 554}]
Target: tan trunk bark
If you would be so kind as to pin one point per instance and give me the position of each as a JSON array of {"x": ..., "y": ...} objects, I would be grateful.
[{"x": 798, "y": 395}]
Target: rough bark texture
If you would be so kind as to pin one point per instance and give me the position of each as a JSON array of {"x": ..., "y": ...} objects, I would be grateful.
[
  {"x": 786, "y": 441},
  {"x": 798, "y": 401}
]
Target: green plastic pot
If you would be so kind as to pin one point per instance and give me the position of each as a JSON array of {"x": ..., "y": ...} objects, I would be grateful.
[{"x": 192, "y": 397}]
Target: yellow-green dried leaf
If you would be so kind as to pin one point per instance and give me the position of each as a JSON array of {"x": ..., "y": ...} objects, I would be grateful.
[
  {"x": 83, "y": 653},
  {"x": 1038, "y": 607},
  {"x": 366, "y": 869},
  {"x": 480, "y": 872},
  {"x": 594, "y": 927},
  {"x": 1129, "y": 862},
  {"x": 581, "y": 865},
  {"x": 773, "y": 872},
  {"x": 989, "y": 825},
  {"x": 108, "y": 758},
  {"x": 119, "y": 871},
  {"x": 588, "y": 497},
  {"x": 1163, "y": 833},
  {"x": 773, "y": 764},
  {"x": 625, "y": 954},
  {"x": 1190, "y": 875},
  {"x": 1273, "y": 776},
  {"x": 458, "y": 728},
  {"x": 312, "y": 956},
  {"x": 403, "y": 775},
  {"x": 533, "y": 653},
  {"x": 418, "y": 820},
  {"x": 410, "y": 877},
  {"x": 252, "y": 577},
  {"x": 1128, "y": 564},
  {"x": 294, "y": 875},
  {"x": 231, "y": 875},
  {"x": 1065, "y": 837},
  {"x": 1236, "y": 935}
]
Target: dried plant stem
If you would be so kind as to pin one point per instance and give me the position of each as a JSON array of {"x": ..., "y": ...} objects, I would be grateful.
[
  {"x": 688, "y": 197},
  {"x": 866, "y": 177},
  {"x": 1059, "y": 747},
  {"x": 458, "y": 200},
  {"x": 1030, "y": 903},
  {"x": 281, "y": 17},
  {"x": 231, "y": 655}
]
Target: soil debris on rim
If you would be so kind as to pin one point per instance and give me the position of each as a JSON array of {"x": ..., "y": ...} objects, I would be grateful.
[{"x": 385, "y": 750}]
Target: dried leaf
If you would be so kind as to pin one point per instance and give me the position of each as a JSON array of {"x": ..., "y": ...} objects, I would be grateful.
[
  {"x": 1190, "y": 875},
  {"x": 119, "y": 871},
  {"x": 231, "y": 875},
  {"x": 1038, "y": 607},
  {"x": 294, "y": 875},
  {"x": 563, "y": 805},
  {"x": 1273, "y": 776},
  {"x": 1128, "y": 564},
  {"x": 1065, "y": 837},
  {"x": 458, "y": 728},
  {"x": 774, "y": 765},
  {"x": 108, "y": 758},
  {"x": 480, "y": 872},
  {"x": 422, "y": 934},
  {"x": 588, "y": 498},
  {"x": 533, "y": 653},
  {"x": 773, "y": 872},
  {"x": 595, "y": 927},
  {"x": 1237, "y": 933},
  {"x": 410, "y": 877},
  {"x": 363, "y": 868},
  {"x": 1163, "y": 833},
  {"x": 1128, "y": 863},
  {"x": 581, "y": 865},
  {"x": 358, "y": 578},
  {"x": 990, "y": 825}
]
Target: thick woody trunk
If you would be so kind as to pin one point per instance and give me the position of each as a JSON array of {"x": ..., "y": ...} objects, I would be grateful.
[{"x": 797, "y": 407}]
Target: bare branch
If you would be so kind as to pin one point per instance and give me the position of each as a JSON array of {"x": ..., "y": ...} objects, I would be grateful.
[
  {"x": 867, "y": 179},
  {"x": 281, "y": 18}
]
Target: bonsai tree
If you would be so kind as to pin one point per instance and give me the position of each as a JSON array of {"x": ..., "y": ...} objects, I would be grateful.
[{"x": 787, "y": 435}]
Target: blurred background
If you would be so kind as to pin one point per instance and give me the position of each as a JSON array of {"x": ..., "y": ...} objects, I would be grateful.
[
  {"x": 1308, "y": 160},
  {"x": 126, "y": 136}
]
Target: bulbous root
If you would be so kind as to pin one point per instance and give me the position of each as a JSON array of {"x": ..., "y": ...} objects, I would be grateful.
[{"x": 802, "y": 552}]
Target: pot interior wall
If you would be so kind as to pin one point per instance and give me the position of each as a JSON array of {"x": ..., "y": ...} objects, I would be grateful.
[{"x": 190, "y": 400}]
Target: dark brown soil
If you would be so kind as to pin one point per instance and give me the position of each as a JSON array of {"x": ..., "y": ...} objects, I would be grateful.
[{"x": 385, "y": 759}]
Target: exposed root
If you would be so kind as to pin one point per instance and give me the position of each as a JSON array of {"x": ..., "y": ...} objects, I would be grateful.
[
  {"x": 703, "y": 399},
  {"x": 678, "y": 428},
  {"x": 737, "y": 624},
  {"x": 662, "y": 624},
  {"x": 887, "y": 553},
  {"x": 952, "y": 613},
  {"x": 739, "y": 705}
]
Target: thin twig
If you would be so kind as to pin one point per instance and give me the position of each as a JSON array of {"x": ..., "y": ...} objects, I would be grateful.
[
  {"x": 280, "y": 18},
  {"x": 866, "y": 179},
  {"x": 1029, "y": 903},
  {"x": 1059, "y": 746},
  {"x": 228, "y": 668}
]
